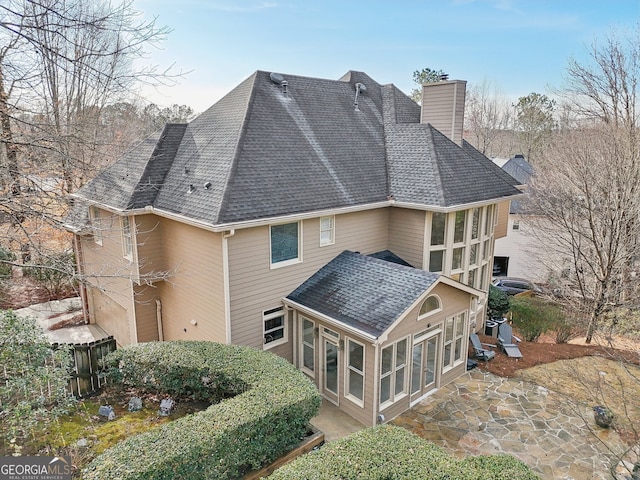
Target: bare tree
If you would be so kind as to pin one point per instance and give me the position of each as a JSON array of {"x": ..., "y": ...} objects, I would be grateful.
[
  {"x": 487, "y": 116},
  {"x": 63, "y": 63}
]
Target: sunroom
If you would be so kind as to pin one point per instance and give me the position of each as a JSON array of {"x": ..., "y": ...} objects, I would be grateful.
[{"x": 377, "y": 336}]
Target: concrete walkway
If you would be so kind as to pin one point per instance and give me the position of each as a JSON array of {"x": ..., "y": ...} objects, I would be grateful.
[
  {"x": 334, "y": 423},
  {"x": 481, "y": 413},
  {"x": 55, "y": 311}
]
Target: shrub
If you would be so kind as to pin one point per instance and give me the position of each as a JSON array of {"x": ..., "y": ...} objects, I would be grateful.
[
  {"x": 386, "y": 452},
  {"x": 533, "y": 316},
  {"x": 55, "y": 273},
  {"x": 261, "y": 408},
  {"x": 6, "y": 257},
  {"x": 498, "y": 303},
  {"x": 33, "y": 378}
]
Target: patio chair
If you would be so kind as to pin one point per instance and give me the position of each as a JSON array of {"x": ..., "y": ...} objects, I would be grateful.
[
  {"x": 506, "y": 339},
  {"x": 479, "y": 351}
]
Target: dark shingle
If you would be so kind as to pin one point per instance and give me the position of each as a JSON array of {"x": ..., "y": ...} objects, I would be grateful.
[
  {"x": 366, "y": 293},
  {"x": 260, "y": 153}
]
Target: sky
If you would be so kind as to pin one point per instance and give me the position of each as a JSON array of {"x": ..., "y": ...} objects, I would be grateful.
[{"x": 518, "y": 46}]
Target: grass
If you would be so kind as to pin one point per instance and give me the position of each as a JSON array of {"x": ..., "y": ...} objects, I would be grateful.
[{"x": 62, "y": 436}]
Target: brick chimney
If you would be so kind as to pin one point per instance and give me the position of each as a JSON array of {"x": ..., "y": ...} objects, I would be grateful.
[{"x": 443, "y": 107}]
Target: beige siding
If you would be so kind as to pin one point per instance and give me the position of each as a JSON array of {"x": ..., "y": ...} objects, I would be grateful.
[
  {"x": 406, "y": 234},
  {"x": 150, "y": 239},
  {"x": 443, "y": 107},
  {"x": 146, "y": 317},
  {"x": 111, "y": 316},
  {"x": 192, "y": 297},
  {"x": 255, "y": 287},
  {"x": 502, "y": 219}
]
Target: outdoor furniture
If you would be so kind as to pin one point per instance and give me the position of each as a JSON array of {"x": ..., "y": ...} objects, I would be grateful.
[
  {"x": 479, "y": 351},
  {"x": 506, "y": 339}
]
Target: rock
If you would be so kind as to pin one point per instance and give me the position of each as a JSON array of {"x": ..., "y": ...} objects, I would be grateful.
[
  {"x": 166, "y": 406},
  {"x": 82, "y": 443},
  {"x": 135, "y": 404},
  {"x": 107, "y": 411}
]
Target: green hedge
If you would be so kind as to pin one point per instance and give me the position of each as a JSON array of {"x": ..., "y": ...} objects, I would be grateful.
[
  {"x": 388, "y": 452},
  {"x": 265, "y": 412}
]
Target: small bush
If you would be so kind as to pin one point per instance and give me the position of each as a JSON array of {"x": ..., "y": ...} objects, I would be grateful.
[
  {"x": 55, "y": 273},
  {"x": 386, "y": 452},
  {"x": 498, "y": 303},
  {"x": 33, "y": 379},
  {"x": 6, "y": 259},
  {"x": 261, "y": 408},
  {"x": 533, "y": 316}
]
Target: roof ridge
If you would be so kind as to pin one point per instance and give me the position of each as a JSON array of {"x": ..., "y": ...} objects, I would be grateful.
[
  {"x": 436, "y": 164},
  {"x": 163, "y": 153},
  {"x": 236, "y": 154}
]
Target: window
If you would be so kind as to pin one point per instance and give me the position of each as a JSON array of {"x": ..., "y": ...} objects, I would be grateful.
[
  {"x": 274, "y": 327},
  {"x": 355, "y": 371},
  {"x": 457, "y": 258},
  {"x": 488, "y": 224},
  {"x": 127, "y": 237},
  {"x": 438, "y": 223},
  {"x": 437, "y": 255},
  {"x": 393, "y": 367},
  {"x": 308, "y": 345},
  {"x": 285, "y": 244},
  {"x": 327, "y": 231},
  {"x": 96, "y": 224},
  {"x": 436, "y": 261},
  {"x": 475, "y": 223},
  {"x": 430, "y": 306},
  {"x": 458, "y": 232},
  {"x": 453, "y": 339}
]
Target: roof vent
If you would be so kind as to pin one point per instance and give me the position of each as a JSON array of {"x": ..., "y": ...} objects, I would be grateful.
[
  {"x": 278, "y": 79},
  {"x": 444, "y": 77},
  {"x": 207, "y": 185},
  {"x": 360, "y": 88},
  {"x": 191, "y": 188},
  {"x": 186, "y": 170}
]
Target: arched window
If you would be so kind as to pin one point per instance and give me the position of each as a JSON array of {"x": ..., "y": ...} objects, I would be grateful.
[{"x": 430, "y": 306}]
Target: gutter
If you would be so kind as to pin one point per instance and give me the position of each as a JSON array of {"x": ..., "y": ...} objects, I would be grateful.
[
  {"x": 224, "y": 227},
  {"x": 342, "y": 325}
]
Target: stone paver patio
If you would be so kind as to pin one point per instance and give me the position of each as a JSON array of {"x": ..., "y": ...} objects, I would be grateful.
[{"x": 481, "y": 413}]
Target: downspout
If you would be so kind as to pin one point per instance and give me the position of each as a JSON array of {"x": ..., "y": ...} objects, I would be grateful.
[
  {"x": 225, "y": 272},
  {"x": 376, "y": 382},
  {"x": 159, "y": 318}
]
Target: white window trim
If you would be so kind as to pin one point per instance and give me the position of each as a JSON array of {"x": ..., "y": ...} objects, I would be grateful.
[
  {"x": 96, "y": 224},
  {"x": 454, "y": 363},
  {"x": 281, "y": 312},
  {"x": 430, "y": 312},
  {"x": 393, "y": 397},
  {"x": 128, "y": 240},
  {"x": 347, "y": 367},
  {"x": 302, "y": 345},
  {"x": 332, "y": 230},
  {"x": 293, "y": 261}
]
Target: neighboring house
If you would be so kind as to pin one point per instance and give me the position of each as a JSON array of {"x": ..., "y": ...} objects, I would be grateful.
[
  {"x": 518, "y": 254},
  {"x": 332, "y": 222}
]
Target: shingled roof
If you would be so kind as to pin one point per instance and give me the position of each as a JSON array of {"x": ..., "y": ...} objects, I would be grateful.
[
  {"x": 363, "y": 292},
  {"x": 264, "y": 152}
]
